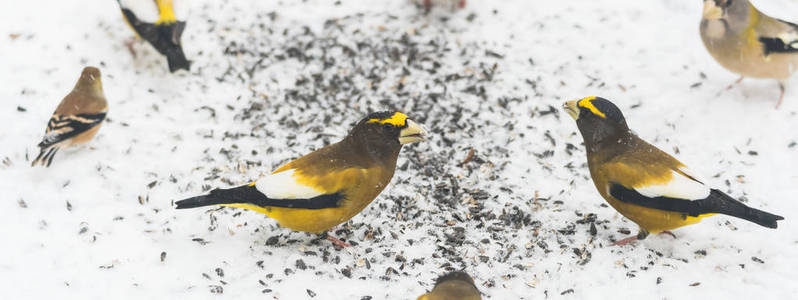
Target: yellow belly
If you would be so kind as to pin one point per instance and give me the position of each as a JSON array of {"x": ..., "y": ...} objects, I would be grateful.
[
  {"x": 306, "y": 220},
  {"x": 655, "y": 220}
]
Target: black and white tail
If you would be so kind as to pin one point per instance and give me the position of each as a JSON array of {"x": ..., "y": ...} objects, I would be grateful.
[
  {"x": 241, "y": 194},
  {"x": 176, "y": 59},
  {"x": 719, "y": 202},
  {"x": 249, "y": 194},
  {"x": 45, "y": 157}
]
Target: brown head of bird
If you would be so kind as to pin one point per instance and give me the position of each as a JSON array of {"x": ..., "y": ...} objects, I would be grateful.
[
  {"x": 721, "y": 17},
  {"x": 90, "y": 80},
  {"x": 598, "y": 120},
  {"x": 382, "y": 134},
  {"x": 453, "y": 286}
]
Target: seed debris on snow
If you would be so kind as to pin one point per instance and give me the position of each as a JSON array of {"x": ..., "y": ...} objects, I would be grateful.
[{"x": 456, "y": 201}]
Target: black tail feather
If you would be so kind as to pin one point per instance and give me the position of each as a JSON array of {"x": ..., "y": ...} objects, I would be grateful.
[
  {"x": 38, "y": 157},
  {"x": 173, "y": 49},
  {"x": 719, "y": 202},
  {"x": 240, "y": 194},
  {"x": 250, "y": 194},
  {"x": 45, "y": 157},
  {"x": 176, "y": 59}
]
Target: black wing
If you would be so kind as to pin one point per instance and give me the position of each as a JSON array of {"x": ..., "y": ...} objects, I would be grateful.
[
  {"x": 781, "y": 45},
  {"x": 249, "y": 194},
  {"x": 777, "y": 45},
  {"x": 63, "y": 127},
  {"x": 716, "y": 202},
  {"x": 624, "y": 194}
]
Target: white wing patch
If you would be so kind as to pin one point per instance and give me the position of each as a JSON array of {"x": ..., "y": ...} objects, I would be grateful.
[
  {"x": 283, "y": 185},
  {"x": 790, "y": 39},
  {"x": 680, "y": 187}
]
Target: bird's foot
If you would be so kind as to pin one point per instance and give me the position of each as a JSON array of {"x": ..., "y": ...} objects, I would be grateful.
[
  {"x": 781, "y": 96},
  {"x": 668, "y": 233},
  {"x": 625, "y": 241},
  {"x": 337, "y": 242},
  {"x": 129, "y": 44},
  {"x": 736, "y": 82}
]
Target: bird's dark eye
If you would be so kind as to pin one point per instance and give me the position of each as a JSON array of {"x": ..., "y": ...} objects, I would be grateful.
[{"x": 387, "y": 127}]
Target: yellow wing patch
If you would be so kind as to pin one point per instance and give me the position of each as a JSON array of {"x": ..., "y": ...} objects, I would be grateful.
[
  {"x": 166, "y": 11},
  {"x": 398, "y": 119},
  {"x": 587, "y": 103}
]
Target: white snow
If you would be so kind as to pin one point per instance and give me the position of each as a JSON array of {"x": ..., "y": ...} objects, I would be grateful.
[{"x": 100, "y": 221}]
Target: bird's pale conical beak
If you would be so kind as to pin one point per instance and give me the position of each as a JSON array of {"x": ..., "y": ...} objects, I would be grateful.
[
  {"x": 711, "y": 11},
  {"x": 571, "y": 108},
  {"x": 412, "y": 133}
]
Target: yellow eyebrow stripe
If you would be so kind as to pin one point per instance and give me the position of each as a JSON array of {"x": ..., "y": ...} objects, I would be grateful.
[
  {"x": 398, "y": 119},
  {"x": 587, "y": 103}
]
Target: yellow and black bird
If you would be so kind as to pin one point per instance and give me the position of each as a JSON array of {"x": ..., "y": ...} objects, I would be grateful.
[
  {"x": 76, "y": 119},
  {"x": 453, "y": 286},
  {"x": 749, "y": 43},
  {"x": 162, "y": 33},
  {"x": 642, "y": 182},
  {"x": 329, "y": 186}
]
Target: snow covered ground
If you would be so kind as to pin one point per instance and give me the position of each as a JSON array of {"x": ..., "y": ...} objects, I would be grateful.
[{"x": 272, "y": 80}]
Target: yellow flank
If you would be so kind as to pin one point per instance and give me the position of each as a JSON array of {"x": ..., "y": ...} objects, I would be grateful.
[
  {"x": 587, "y": 103},
  {"x": 655, "y": 220},
  {"x": 423, "y": 297},
  {"x": 166, "y": 11},
  {"x": 633, "y": 176},
  {"x": 398, "y": 119}
]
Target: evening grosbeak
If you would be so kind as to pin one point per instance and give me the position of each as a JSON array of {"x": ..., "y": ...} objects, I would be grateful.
[
  {"x": 642, "y": 182},
  {"x": 453, "y": 286},
  {"x": 748, "y": 42},
  {"x": 76, "y": 119},
  {"x": 329, "y": 186},
  {"x": 155, "y": 22}
]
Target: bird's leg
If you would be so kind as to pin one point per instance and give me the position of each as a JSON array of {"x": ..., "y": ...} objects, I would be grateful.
[
  {"x": 641, "y": 235},
  {"x": 335, "y": 241},
  {"x": 781, "y": 96},
  {"x": 427, "y": 5},
  {"x": 129, "y": 44},
  {"x": 735, "y": 83},
  {"x": 625, "y": 241},
  {"x": 668, "y": 233},
  {"x": 338, "y": 242},
  {"x": 461, "y": 3}
]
